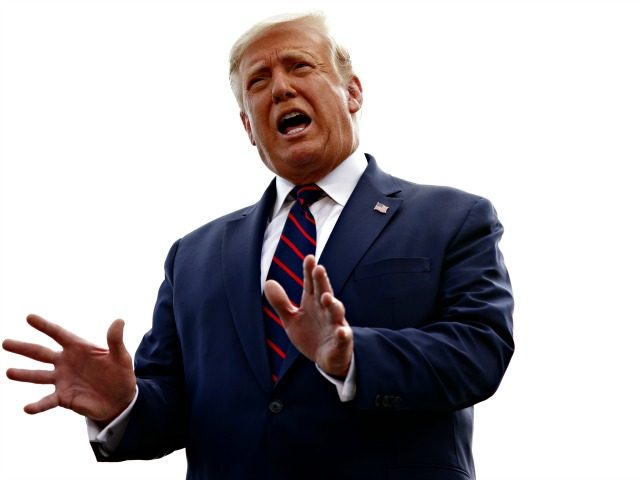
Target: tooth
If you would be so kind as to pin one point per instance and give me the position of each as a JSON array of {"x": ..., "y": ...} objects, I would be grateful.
[
  {"x": 295, "y": 130},
  {"x": 290, "y": 115}
]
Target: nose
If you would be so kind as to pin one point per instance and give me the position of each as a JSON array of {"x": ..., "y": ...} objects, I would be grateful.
[{"x": 281, "y": 88}]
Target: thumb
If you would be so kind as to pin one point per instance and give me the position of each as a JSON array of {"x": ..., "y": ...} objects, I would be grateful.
[
  {"x": 115, "y": 339},
  {"x": 279, "y": 300}
]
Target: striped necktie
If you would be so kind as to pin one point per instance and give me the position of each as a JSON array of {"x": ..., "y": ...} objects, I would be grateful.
[{"x": 297, "y": 240}]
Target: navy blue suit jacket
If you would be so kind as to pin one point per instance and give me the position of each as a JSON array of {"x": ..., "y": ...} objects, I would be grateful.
[{"x": 428, "y": 296}]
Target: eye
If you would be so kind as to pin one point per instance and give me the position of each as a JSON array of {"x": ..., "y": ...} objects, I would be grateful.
[
  {"x": 301, "y": 66},
  {"x": 253, "y": 82}
]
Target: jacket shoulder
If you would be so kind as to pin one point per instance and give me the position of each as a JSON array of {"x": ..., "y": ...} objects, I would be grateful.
[
  {"x": 217, "y": 225},
  {"x": 421, "y": 194},
  {"x": 443, "y": 198}
]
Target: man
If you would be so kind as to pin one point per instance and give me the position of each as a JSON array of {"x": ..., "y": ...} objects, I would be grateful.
[{"x": 366, "y": 366}]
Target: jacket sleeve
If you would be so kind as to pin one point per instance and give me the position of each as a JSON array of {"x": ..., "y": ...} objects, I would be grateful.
[
  {"x": 157, "y": 422},
  {"x": 459, "y": 357}
]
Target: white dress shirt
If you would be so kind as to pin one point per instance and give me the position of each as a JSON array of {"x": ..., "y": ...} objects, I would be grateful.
[{"x": 338, "y": 186}]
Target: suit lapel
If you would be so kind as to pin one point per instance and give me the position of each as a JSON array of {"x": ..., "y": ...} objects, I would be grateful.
[
  {"x": 357, "y": 228},
  {"x": 241, "y": 250},
  {"x": 360, "y": 224}
]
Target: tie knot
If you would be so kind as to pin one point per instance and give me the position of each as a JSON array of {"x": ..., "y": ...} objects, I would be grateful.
[{"x": 307, "y": 194}]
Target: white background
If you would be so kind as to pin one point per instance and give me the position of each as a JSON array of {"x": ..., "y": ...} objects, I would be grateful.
[{"x": 120, "y": 134}]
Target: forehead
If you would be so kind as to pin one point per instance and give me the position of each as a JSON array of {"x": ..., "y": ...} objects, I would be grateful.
[{"x": 284, "y": 41}]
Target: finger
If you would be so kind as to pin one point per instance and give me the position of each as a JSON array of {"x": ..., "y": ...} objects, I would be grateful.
[
  {"x": 321, "y": 281},
  {"x": 60, "y": 335},
  {"x": 115, "y": 341},
  {"x": 343, "y": 347},
  {"x": 42, "y": 405},
  {"x": 279, "y": 300},
  {"x": 338, "y": 358},
  {"x": 335, "y": 307},
  {"x": 30, "y": 350},
  {"x": 344, "y": 336},
  {"x": 31, "y": 376},
  {"x": 308, "y": 265}
]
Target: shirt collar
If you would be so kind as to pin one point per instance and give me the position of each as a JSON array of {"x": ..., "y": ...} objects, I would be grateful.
[{"x": 339, "y": 183}]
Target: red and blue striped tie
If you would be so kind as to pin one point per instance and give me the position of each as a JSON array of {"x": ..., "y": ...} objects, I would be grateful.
[{"x": 298, "y": 239}]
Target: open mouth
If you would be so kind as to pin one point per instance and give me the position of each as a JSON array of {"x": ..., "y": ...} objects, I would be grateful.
[{"x": 294, "y": 122}]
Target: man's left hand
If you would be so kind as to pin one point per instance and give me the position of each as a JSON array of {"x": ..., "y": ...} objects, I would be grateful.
[{"x": 318, "y": 329}]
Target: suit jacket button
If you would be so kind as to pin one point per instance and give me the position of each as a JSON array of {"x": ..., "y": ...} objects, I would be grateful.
[{"x": 276, "y": 406}]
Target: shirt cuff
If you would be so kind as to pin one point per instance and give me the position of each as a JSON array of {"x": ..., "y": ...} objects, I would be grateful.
[
  {"x": 109, "y": 437},
  {"x": 346, "y": 388}
]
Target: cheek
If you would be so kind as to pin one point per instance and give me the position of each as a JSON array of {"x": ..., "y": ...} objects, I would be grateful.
[
  {"x": 261, "y": 121},
  {"x": 257, "y": 111},
  {"x": 336, "y": 108}
]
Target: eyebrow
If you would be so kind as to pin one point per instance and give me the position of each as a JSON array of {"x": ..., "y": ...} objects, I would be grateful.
[
  {"x": 293, "y": 54},
  {"x": 287, "y": 55},
  {"x": 256, "y": 69}
]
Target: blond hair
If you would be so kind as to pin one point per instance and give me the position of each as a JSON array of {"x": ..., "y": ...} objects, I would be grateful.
[{"x": 317, "y": 21}]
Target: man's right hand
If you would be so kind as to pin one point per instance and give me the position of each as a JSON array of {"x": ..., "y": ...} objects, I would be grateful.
[{"x": 92, "y": 381}]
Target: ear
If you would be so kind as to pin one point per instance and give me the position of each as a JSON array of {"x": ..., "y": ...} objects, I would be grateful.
[
  {"x": 354, "y": 90},
  {"x": 247, "y": 127}
]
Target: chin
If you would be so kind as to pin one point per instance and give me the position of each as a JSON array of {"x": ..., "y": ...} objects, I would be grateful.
[{"x": 299, "y": 156}]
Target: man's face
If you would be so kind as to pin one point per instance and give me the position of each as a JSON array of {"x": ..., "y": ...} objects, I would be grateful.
[{"x": 297, "y": 110}]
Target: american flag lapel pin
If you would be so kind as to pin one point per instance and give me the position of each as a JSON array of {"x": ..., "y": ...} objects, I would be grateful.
[{"x": 381, "y": 208}]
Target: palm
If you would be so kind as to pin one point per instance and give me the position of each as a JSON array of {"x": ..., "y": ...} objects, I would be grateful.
[
  {"x": 89, "y": 380},
  {"x": 318, "y": 328},
  {"x": 314, "y": 327}
]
